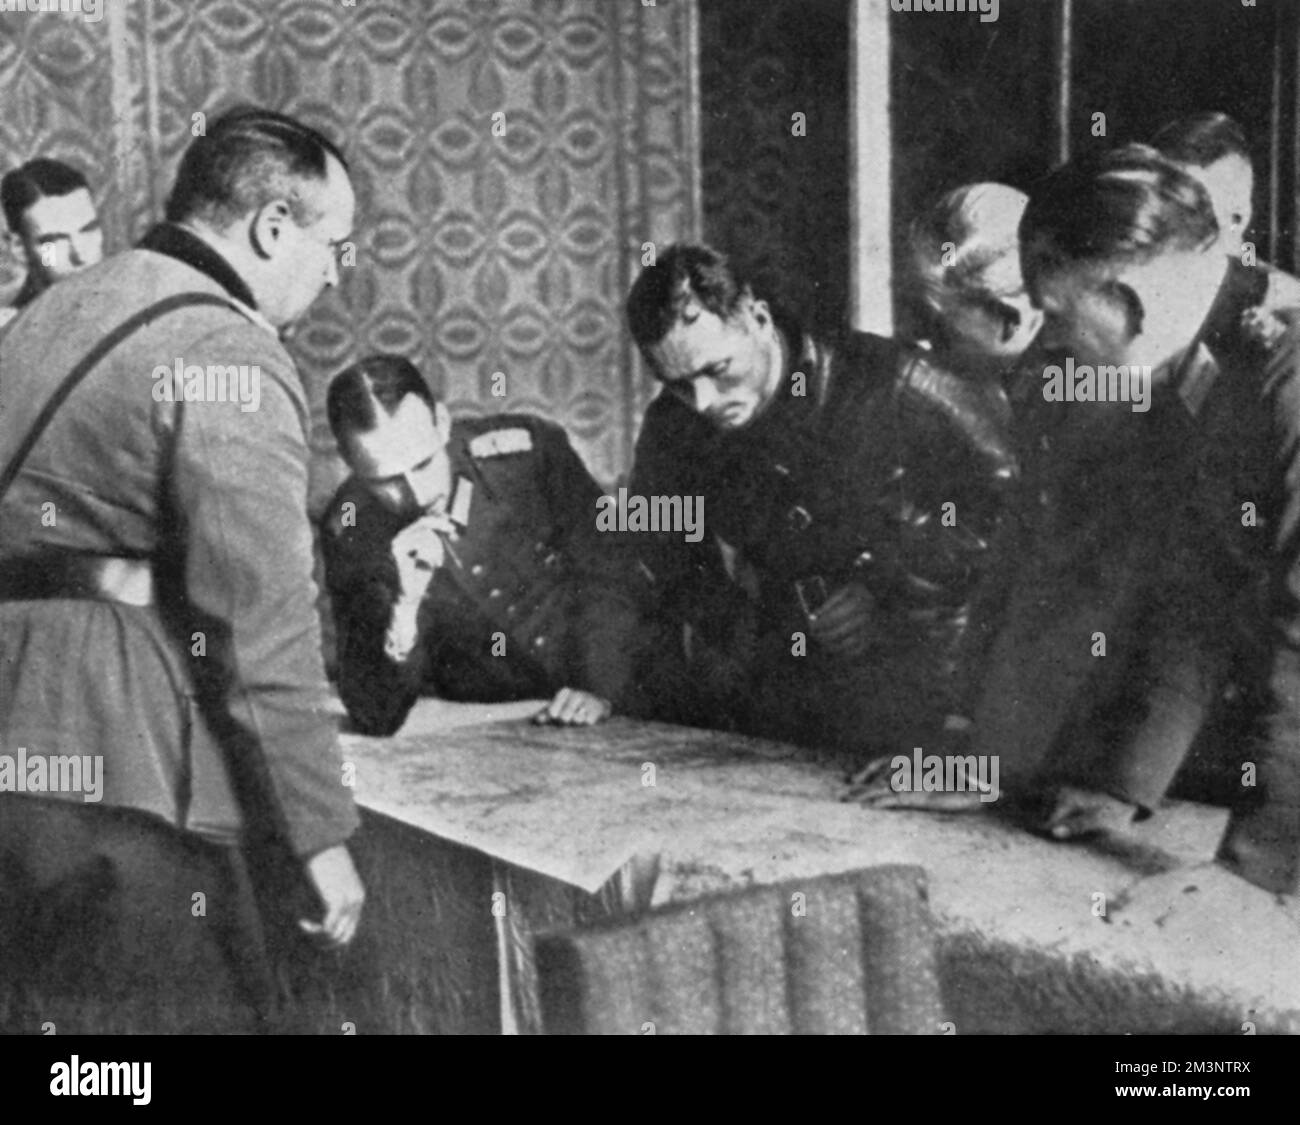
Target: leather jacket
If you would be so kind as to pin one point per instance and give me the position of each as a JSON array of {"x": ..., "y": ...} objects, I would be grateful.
[{"x": 872, "y": 464}]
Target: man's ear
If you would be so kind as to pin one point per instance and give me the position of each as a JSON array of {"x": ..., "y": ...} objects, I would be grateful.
[
  {"x": 442, "y": 421},
  {"x": 17, "y": 247},
  {"x": 1009, "y": 322},
  {"x": 760, "y": 311},
  {"x": 1126, "y": 296},
  {"x": 267, "y": 227}
]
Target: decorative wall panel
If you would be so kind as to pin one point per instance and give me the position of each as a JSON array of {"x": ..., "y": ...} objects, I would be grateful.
[
  {"x": 778, "y": 202},
  {"x": 478, "y": 251}
]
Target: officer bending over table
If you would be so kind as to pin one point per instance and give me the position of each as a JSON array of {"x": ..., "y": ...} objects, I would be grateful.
[
  {"x": 463, "y": 560},
  {"x": 855, "y": 485}
]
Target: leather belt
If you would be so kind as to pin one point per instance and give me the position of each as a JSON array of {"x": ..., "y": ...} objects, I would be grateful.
[{"x": 70, "y": 576}]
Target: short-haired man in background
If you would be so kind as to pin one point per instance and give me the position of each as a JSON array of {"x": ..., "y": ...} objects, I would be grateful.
[
  {"x": 157, "y": 608},
  {"x": 53, "y": 226},
  {"x": 1213, "y": 148},
  {"x": 464, "y": 560}
]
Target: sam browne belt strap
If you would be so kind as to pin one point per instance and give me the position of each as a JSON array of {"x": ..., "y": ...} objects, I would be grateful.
[{"x": 69, "y": 575}]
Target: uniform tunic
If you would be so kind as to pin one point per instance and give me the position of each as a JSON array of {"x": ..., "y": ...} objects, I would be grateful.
[
  {"x": 1181, "y": 547},
  {"x": 531, "y": 597},
  {"x": 208, "y": 706}
]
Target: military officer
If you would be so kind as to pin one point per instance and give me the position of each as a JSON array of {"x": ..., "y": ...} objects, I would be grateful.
[
  {"x": 852, "y": 489},
  {"x": 158, "y": 624},
  {"x": 463, "y": 559},
  {"x": 1210, "y": 594}
]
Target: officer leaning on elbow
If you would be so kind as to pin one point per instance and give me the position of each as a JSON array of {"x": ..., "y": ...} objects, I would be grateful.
[{"x": 463, "y": 560}]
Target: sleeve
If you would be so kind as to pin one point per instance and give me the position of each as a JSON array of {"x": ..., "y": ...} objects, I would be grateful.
[
  {"x": 1262, "y": 843},
  {"x": 688, "y": 581},
  {"x": 964, "y": 473},
  {"x": 607, "y": 578},
  {"x": 377, "y": 690},
  {"x": 239, "y": 488}
]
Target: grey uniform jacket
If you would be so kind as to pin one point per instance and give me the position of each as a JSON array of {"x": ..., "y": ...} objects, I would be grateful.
[{"x": 215, "y": 696}]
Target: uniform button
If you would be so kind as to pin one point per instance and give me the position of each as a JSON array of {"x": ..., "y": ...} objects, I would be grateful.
[
  {"x": 476, "y": 569},
  {"x": 510, "y": 611},
  {"x": 799, "y": 518},
  {"x": 494, "y": 593},
  {"x": 539, "y": 642}
]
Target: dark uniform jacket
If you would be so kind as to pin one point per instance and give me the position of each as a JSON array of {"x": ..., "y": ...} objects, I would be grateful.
[
  {"x": 214, "y": 695},
  {"x": 532, "y": 579},
  {"x": 843, "y": 477},
  {"x": 1193, "y": 532}
]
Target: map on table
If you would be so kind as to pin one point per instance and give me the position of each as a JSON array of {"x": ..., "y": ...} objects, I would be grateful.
[{"x": 574, "y": 803}]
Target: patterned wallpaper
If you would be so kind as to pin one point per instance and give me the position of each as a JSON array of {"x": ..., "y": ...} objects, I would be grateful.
[
  {"x": 476, "y": 253},
  {"x": 779, "y": 203}
]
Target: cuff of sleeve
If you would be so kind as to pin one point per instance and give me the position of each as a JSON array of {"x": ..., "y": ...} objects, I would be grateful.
[
  {"x": 1262, "y": 845},
  {"x": 403, "y": 631},
  {"x": 308, "y": 841}
]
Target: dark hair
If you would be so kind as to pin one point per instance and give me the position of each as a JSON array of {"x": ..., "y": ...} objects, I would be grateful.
[
  {"x": 680, "y": 272},
  {"x": 247, "y": 158},
  {"x": 1202, "y": 139},
  {"x": 34, "y": 181},
  {"x": 358, "y": 394},
  {"x": 1125, "y": 206}
]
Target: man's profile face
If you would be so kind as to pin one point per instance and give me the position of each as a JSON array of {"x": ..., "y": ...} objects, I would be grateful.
[
  {"x": 1084, "y": 320},
  {"x": 991, "y": 332},
  {"x": 403, "y": 461},
  {"x": 1145, "y": 312},
  {"x": 305, "y": 257},
  {"x": 61, "y": 235},
  {"x": 725, "y": 369}
]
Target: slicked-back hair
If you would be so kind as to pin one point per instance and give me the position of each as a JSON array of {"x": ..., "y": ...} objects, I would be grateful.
[
  {"x": 1126, "y": 206},
  {"x": 1202, "y": 139},
  {"x": 373, "y": 388},
  {"x": 663, "y": 290},
  {"x": 248, "y": 158},
  {"x": 964, "y": 248},
  {"x": 33, "y": 181}
]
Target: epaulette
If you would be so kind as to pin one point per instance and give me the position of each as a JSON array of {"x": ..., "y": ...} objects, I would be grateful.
[
  {"x": 499, "y": 443},
  {"x": 1278, "y": 311},
  {"x": 1264, "y": 325}
]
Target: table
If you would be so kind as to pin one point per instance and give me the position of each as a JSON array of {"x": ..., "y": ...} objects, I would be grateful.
[{"x": 576, "y": 824}]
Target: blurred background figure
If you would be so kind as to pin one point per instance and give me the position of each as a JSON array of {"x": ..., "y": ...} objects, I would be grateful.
[
  {"x": 53, "y": 226},
  {"x": 1213, "y": 148},
  {"x": 969, "y": 299},
  {"x": 975, "y": 321}
]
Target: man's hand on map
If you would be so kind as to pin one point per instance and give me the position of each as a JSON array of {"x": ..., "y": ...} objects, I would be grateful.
[{"x": 574, "y": 708}]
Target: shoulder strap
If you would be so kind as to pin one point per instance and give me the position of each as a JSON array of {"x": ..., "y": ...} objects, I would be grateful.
[{"x": 91, "y": 360}]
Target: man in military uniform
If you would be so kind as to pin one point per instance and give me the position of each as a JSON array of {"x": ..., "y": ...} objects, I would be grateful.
[
  {"x": 463, "y": 559},
  {"x": 1201, "y": 554},
  {"x": 157, "y": 608},
  {"x": 852, "y": 490}
]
